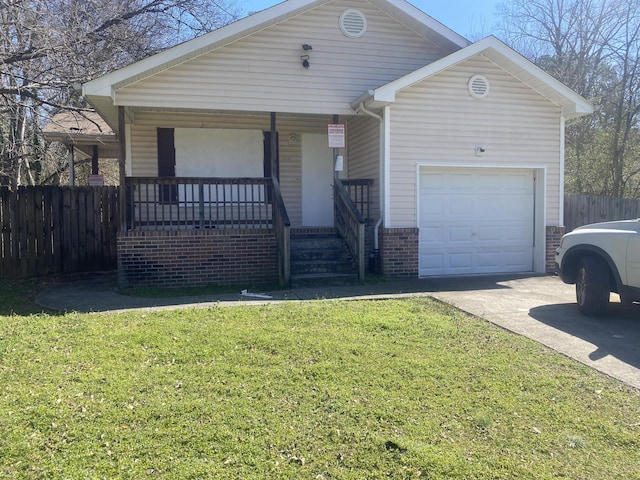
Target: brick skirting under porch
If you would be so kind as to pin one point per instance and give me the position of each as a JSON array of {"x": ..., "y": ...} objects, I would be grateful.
[{"x": 197, "y": 258}]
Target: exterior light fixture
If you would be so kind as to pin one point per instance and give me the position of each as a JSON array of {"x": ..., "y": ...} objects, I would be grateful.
[{"x": 305, "y": 61}]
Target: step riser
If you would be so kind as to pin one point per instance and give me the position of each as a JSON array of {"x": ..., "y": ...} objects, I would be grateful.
[
  {"x": 320, "y": 256},
  {"x": 316, "y": 243},
  {"x": 324, "y": 267},
  {"x": 321, "y": 260}
]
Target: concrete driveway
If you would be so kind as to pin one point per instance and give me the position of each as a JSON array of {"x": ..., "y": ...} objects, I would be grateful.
[
  {"x": 544, "y": 309},
  {"x": 539, "y": 307}
]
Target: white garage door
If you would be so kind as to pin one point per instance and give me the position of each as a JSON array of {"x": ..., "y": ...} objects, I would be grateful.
[{"x": 476, "y": 220}]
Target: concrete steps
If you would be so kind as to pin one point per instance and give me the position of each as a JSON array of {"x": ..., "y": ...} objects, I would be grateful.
[{"x": 319, "y": 257}]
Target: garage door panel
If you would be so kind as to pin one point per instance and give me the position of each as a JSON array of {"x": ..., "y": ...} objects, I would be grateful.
[
  {"x": 488, "y": 258},
  {"x": 460, "y": 206},
  {"x": 476, "y": 221},
  {"x": 434, "y": 183},
  {"x": 433, "y": 262},
  {"x": 433, "y": 236},
  {"x": 460, "y": 260},
  {"x": 460, "y": 234},
  {"x": 458, "y": 181},
  {"x": 432, "y": 206},
  {"x": 486, "y": 182},
  {"x": 516, "y": 258}
]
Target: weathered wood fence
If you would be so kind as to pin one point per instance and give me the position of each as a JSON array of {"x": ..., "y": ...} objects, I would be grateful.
[
  {"x": 583, "y": 209},
  {"x": 46, "y": 230}
]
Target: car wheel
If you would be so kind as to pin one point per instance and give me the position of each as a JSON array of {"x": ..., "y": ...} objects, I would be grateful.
[{"x": 592, "y": 286}]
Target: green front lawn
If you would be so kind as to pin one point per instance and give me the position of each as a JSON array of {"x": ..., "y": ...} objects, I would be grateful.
[{"x": 316, "y": 390}]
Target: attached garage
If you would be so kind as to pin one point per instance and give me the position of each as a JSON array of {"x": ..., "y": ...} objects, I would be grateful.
[{"x": 476, "y": 220}]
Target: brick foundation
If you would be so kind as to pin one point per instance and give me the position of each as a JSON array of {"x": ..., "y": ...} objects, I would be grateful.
[
  {"x": 196, "y": 258},
  {"x": 399, "y": 252},
  {"x": 554, "y": 234}
]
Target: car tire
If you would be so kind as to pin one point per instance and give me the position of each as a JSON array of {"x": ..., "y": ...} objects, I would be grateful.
[{"x": 592, "y": 286}]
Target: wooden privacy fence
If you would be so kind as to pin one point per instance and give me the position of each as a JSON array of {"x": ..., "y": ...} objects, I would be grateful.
[
  {"x": 584, "y": 209},
  {"x": 47, "y": 230}
]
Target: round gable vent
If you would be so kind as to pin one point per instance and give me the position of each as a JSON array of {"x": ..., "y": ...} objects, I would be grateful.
[
  {"x": 478, "y": 86},
  {"x": 353, "y": 23}
]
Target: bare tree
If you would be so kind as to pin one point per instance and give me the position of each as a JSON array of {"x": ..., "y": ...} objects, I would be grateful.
[
  {"x": 48, "y": 46},
  {"x": 593, "y": 46}
]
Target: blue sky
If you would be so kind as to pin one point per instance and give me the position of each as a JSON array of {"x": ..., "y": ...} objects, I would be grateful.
[{"x": 466, "y": 17}]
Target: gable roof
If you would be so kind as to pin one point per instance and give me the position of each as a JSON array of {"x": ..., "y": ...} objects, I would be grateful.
[
  {"x": 401, "y": 10},
  {"x": 573, "y": 105}
]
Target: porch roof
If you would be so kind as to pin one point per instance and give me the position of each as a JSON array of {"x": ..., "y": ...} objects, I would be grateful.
[
  {"x": 83, "y": 130},
  {"x": 573, "y": 105}
]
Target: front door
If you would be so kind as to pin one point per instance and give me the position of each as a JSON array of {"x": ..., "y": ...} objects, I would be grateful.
[{"x": 317, "y": 181}]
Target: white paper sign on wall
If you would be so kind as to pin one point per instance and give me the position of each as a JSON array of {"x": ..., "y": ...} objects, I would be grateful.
[{"x": 336, "y": 135}]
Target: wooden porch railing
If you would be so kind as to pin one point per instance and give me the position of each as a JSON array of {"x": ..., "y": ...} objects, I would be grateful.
[
  {"x": 282, "y": 230},
  {"x": 181, "y": 203},
  {"x": 350, "y": 224},
  {"x": 359, "y": 190}
]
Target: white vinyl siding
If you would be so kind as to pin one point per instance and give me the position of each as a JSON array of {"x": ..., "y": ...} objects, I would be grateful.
[
  {"x": 144, "y": 151},
  {"x": 263, "y": 72},
  {"x": 363, "y": 153},
  {"x": 437, "y": 122}
]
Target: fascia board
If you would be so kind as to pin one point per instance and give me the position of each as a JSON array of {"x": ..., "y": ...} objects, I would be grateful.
[
  {"x": 425, "y": 19},
  {"x": 508, "y": 57}
]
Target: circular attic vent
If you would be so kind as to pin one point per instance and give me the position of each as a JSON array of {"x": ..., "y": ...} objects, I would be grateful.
[
  {"x": 479, "y": 86},
  {"x": 353, "y": 23}
]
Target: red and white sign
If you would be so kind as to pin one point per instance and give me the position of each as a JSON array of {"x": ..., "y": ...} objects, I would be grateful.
[{"x": 336, "y": 135}]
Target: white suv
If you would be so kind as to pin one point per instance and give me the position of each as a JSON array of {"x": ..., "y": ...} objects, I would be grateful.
[{"x": 601, "y": 258}]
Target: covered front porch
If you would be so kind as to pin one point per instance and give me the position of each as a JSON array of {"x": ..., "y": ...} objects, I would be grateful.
[
  {"x": 224, "y": 230},
  {"x": 210, "y": 198}
]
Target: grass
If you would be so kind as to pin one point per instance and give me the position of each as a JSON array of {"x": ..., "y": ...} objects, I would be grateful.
[{"x": 325, "y": 389}]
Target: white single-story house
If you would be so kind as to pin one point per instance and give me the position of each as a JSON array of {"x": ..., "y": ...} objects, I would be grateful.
[{"x": 452, "y": 152}]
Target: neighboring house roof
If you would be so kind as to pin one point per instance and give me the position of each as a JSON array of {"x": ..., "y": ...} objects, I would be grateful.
[
  {"x": 83, "y": 130},
  {"x": 101, "y": 91},
  {"x": 573, "y": 105}
]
